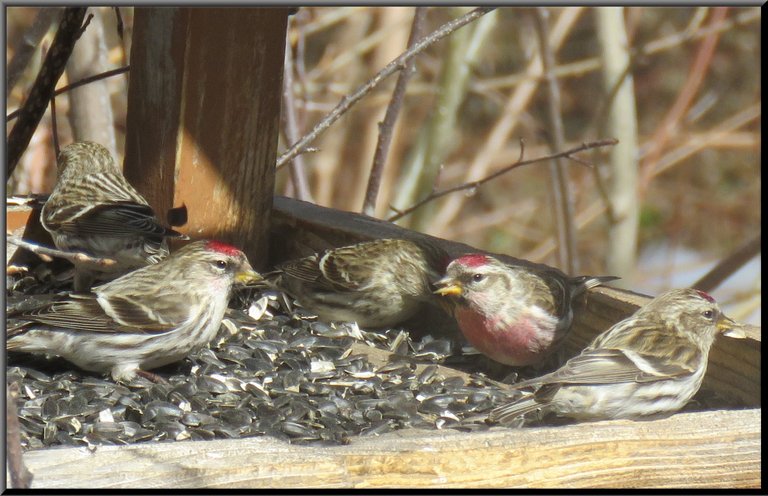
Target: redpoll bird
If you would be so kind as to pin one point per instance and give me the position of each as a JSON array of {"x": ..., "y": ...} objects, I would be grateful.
[
  {"x": 376, "y": 283},
  {"x": 647, "y": 365},
  {"x": 514, "y": 314},
  {"x": 147, "y": 318},
  {"x": 94, "y": 210}
]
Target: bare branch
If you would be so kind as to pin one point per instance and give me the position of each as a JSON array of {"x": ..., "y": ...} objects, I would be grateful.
[
  {"x": 77, "y": 84},
  {"x": 54, "y": 128},
  {"x": 729, "y": 265},
  {"x": 387, "y": 71},
  {"x": 69, "y": 30},
  {"x": 45, "y": 253},
  {"x": 28, "y": 44},
  {"x": 386, "y": 126},
  {"x": 119, "y": 19},
  {"x": 700, "y": 66},
  {"x": 474, "y": 184},
  {"x": 291, "y": 126},
  {"x": 563, "y": 208}
]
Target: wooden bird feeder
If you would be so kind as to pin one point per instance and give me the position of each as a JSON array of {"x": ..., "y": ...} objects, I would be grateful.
[
  {"x": 203, "y": 119},
  {"x": 708, "y": 449}
]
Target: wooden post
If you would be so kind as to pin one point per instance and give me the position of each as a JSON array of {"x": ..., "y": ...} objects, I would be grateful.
[{"x": 203, "y": 117}]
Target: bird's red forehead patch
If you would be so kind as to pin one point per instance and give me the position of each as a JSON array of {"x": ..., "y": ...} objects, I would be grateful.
[
  {"x": 223, "y": 248},
  {"x": 473, "y": 260},
  {"x": 706, "y": 296}
]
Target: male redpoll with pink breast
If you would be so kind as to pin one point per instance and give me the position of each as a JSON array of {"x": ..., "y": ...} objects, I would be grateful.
[
  {"x": 648, "y": 365},
  {"x": 375, "y": 283},
  {"x": 514, "y": 314},
  {"x": 150, "y": 317},
  {"x": 94, "y": 210}
]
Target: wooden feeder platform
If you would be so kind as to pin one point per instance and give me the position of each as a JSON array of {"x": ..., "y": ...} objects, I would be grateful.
[{"x": 708, "y": 449}]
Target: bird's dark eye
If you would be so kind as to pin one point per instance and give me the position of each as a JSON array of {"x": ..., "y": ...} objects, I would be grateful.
[
  {"x": 222, "y": 264},
  {"x": 708, "y": 314},
  {"x": 478, "y": 277}
]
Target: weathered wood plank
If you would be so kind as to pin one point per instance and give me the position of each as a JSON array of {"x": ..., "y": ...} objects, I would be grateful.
[{"x": 668, "y": 453}]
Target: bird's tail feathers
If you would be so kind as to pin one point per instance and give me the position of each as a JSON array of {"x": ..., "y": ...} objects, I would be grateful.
[
  {"x": 172, "y": 233},
  {"x": 506, "y": 414},
  {"x": 583, "y": 283}
]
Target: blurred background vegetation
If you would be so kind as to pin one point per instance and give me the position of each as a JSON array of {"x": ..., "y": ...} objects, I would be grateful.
[{"x": 694, "y": 111}]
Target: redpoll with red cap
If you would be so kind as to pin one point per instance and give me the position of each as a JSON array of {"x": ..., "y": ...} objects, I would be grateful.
[
  {"x": 147, "y": 318},
  {"x": 514, "y": 314}
]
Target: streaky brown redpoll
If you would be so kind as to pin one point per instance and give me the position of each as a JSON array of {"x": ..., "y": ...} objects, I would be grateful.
[
  {"x": 150, "y": 317},
  {"x": 515, "y": 314},
  {"x": 94, "y": 210},
  {"x": 374, "y": 283},
  {"x": 648, "y": 365}
]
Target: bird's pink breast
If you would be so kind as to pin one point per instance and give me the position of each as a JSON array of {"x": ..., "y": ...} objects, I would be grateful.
[{"x": 515, "y": 344}]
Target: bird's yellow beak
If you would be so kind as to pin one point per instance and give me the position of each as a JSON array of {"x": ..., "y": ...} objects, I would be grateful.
[
  {"x": 731, "y": 328},
  {"x": 248, "y": 276},
  {"x": 449, "y": 287}
]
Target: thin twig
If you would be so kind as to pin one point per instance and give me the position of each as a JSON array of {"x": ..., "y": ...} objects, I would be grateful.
[
  {"x": 563, "y": 208},
  {"x": 729, "y": 265},
  {"x": 28, "y": 45},
  {"x": 436, "y": 140},
  {"x": 474, "y": 184},
  {"x": 699, "y": 68},
  {"x": 84, "y": 26},
  {"x": 510, "y": 116},
  {"x": 299, "y": 61},
  {"x": 45, "y": 253},
  {"x": 77, "y": 84},
  {"x": 21, "y": 477},
  {"x": 388, "y": 70},
  {"x": 583, "y": 67},
  {"x": 69, "y": 31},
  {"x": 691, "y": 144},
  {"x": 54, "y": 128},
  {"x": 387, "y": 125},
  {"x": 291, "y": 126},
  {"x": 684, "y": 150},
  {"x": 119, "y": 19}
]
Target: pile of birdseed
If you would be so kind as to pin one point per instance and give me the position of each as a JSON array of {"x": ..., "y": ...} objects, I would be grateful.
[{"x": 270, "y": 371}]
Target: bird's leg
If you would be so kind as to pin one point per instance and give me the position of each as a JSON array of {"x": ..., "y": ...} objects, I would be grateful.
[
  {"x": 511, "y": 378},
  {"x": 151, "y": 376}
]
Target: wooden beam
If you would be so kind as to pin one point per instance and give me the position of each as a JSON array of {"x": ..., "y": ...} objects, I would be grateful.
[
  {"x": 718, "y": 449},
  {"x": 203, "y": 117}
]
